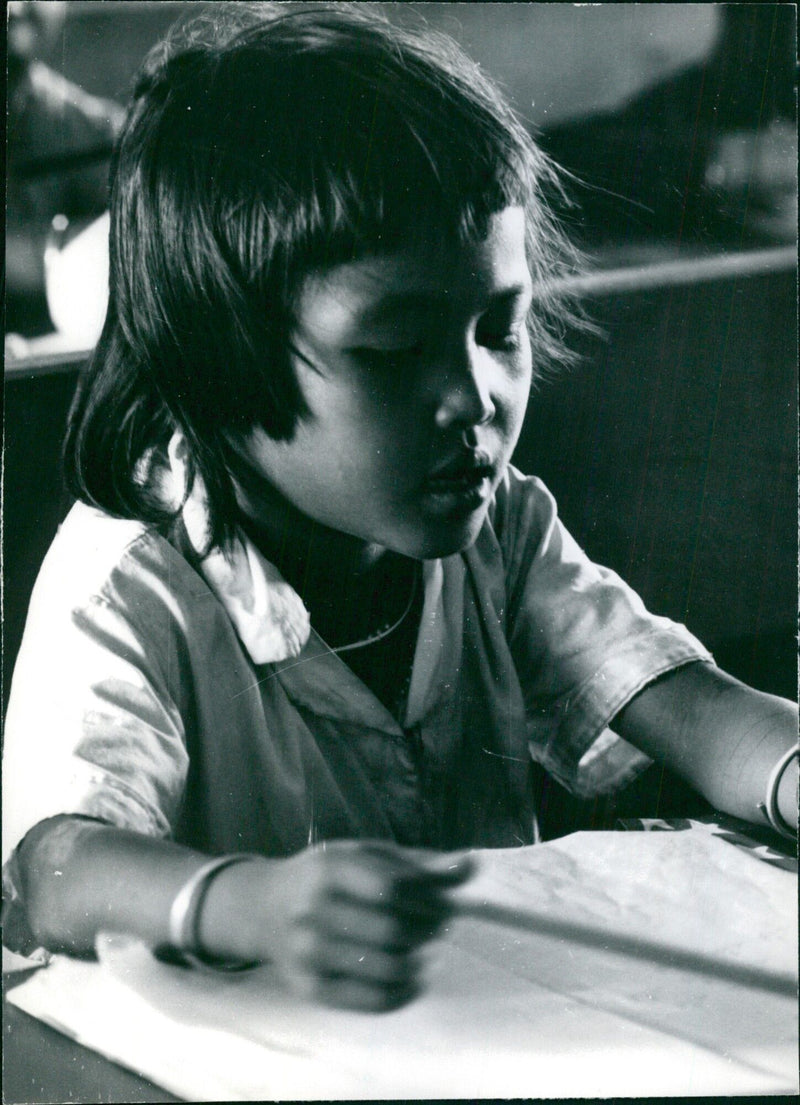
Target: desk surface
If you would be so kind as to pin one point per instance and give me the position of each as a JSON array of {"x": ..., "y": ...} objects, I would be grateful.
[
  {"x": 44, "y": 1067},
  {"x": 505, "y": 1011}
]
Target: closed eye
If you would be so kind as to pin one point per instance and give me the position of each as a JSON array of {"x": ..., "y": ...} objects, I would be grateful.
[
  {"x": 502, "y": 326},
  {"x": 507, "y": 339},
  {"x": 378, "y": 358}
]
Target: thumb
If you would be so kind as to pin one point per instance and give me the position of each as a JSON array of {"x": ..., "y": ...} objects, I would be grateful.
[{"x": 451, "y": 869}]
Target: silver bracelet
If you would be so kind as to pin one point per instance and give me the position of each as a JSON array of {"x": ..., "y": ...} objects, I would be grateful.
[
  {"x": 184, "y": 915},
  {"x": 770, "y": 806}
]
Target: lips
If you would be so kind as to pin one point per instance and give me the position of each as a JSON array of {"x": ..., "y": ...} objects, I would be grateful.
[
  {"x": 465, "y": 465},
  {"x": 466, "y": 476}
]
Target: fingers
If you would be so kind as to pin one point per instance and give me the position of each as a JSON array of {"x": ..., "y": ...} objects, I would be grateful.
[
  {"x": 448, "y": 869},
  {"x": 350, "y": 993},
  {"x": 356, "y": 942},
  {"x": 388, "y": 894},
  {"x": 350, "y": 974},
  {"x": 368, "y": 871},
  {"x": 367, "y": 963},
  {"x": 347, "y": 920}
]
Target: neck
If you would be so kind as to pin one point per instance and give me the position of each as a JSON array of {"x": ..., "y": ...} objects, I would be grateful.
[
  {"x": 320, "y": 563},
  {"x": 302, "y": 549},
  {"x": 351, "y": 587}
]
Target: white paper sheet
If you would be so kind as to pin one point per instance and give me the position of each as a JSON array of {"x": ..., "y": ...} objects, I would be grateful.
[{"x": 508, "y": 1012}]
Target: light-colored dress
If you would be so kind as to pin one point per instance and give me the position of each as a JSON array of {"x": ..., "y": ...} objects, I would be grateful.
[{"x": 200, "y": 704}]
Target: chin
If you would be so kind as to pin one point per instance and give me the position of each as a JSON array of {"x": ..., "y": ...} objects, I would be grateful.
[{"x": 444, "y": 539}]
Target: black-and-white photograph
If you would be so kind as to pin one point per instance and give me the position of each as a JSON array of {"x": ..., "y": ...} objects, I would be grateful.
[{"x": 400, "y": 551}]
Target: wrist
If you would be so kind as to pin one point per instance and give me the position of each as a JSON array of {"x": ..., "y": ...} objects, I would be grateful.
[
  {"x": 787, "y": 795},
  {"x": 232, "y": 923},
  {"x": 780, "y": 802},
  {"x": 188, "y": 931}
]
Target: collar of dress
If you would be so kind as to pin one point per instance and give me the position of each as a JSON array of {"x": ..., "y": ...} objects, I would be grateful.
[{"x": 269, "y": 616}]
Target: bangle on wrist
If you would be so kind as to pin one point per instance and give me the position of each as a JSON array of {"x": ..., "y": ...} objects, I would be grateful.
[
  {"x": 184, "y": 916},
  {"x": 769, "y": 806}
]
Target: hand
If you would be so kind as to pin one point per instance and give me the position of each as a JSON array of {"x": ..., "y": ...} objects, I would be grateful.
[{"x": 345, "y": 921}]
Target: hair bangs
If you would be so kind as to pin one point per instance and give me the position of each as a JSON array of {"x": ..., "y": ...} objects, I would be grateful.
[
  {"x": 332, "y": 162},
  {"x": 263, "y": 144}
]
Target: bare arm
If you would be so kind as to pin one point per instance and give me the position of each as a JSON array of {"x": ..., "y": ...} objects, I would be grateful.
[
  {"x": 340, "y": 923},
  {"x": 722, "y": 737}
]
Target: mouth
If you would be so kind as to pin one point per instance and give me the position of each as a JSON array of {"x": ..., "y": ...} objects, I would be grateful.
[{"x": 464, "y": 481}]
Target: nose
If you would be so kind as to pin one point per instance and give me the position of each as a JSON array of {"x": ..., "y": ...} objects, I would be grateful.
[{"x": 464, "y": 393}]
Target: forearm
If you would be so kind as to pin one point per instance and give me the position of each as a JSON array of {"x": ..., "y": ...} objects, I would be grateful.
[
  {"x": 723, "y": 737},
  {"x": 341, "y": 923},
  {"x": 80, "y": 878}
]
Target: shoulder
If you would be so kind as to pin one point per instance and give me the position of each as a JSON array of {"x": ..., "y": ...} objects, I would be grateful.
[
  {"x": 121, "y": 563},
  {"x": 113, "y": 601},
  {"x": 92, "y": 544},
  {"x": 104, "y": 538}
]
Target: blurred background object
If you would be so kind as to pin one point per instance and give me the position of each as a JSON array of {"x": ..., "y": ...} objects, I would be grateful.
[
  {"x": 706, "y": 158},
  {"x": 677, "y": 121},
  {"x": 59, "y": 142},
  {"x": 561, "y": 62},
  {"x": 76, "y": 279}
]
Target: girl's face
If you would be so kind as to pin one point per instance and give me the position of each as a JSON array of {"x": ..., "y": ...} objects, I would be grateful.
[{"x": 416, "y": 368}]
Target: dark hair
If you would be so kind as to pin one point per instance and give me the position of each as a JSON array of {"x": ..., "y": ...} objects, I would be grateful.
[{"x": 261, "y": 145}]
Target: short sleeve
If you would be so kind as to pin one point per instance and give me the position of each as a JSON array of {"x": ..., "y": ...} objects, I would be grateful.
[
  {"x": 93, "y": 726},
  {"x": 582, "y": 642}
]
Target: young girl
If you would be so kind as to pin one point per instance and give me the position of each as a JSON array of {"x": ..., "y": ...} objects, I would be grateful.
[{"x": 306, "y": 628}]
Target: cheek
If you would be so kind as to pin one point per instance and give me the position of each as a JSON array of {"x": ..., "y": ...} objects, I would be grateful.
[
  {"x": 364, "y": 439},
  {"x": 388, "y": 415},
  {"x": 515, "y": 392}
]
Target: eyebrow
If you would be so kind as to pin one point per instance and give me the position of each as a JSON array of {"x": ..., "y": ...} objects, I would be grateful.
[{"x": 389, "y": 306}]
